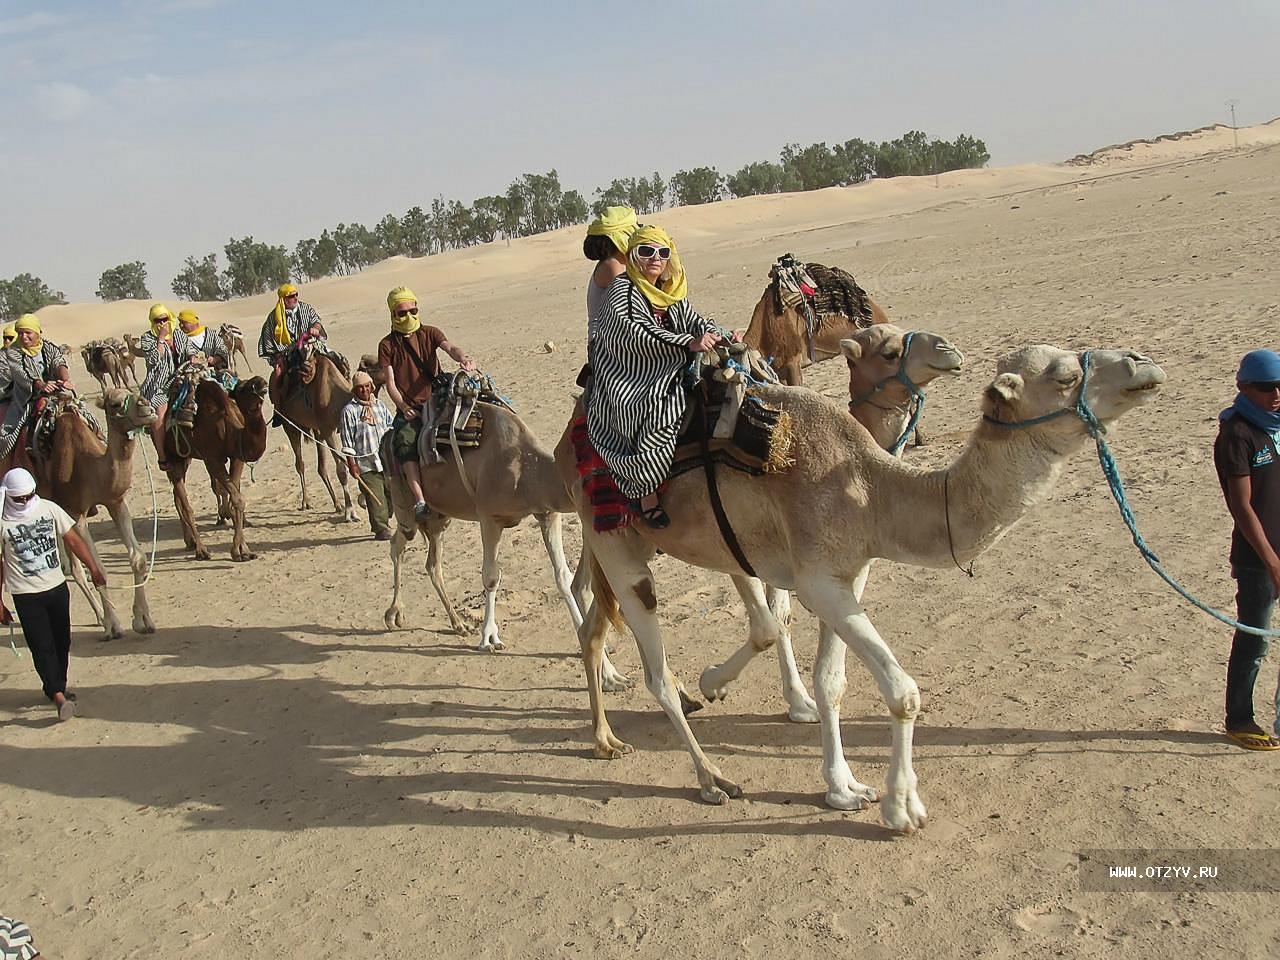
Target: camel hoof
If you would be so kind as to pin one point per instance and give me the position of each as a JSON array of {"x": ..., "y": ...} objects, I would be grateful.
[
  {"x": 203, "y": 554},
  {"x": 392, "y": 619},
  {"x": 352, "y": 515},
  {"x": 493, "y": 645},
  {"x": 615, "y": 682},
  {"x": 806, "y": 711},
  {"x": 112, "y": 633},
  {"x": 242, "y": 557},
  {"x": 710, "y": 685},
  {"x": 689, "y": 705},
  {"x": 615, "y": 749},
  {"x": 143, "y": 625},
  {"x": 904, "y": 813},
  {"x": 856, "y": 796},
  {"x": 220, "y": 522}
]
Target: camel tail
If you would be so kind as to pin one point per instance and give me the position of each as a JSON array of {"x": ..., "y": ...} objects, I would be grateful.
[{"x": 606, "y": 599}]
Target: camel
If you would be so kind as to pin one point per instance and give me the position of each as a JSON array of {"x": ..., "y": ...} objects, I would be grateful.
[
  {"x": 229, "y": 432},
  {"x": 105, "y": 359},
  {"x": 779, "y": 333},
  {"x": 815, "y": 527},
  {"x": 132, "y": 354},
  {"x": 233, "y": 339},
  {"x": 81, "y": 472},
  {"x": 883, "y": 360},
  {"x": 513, "y": 476},
  {"x": 314, "y": 410}
]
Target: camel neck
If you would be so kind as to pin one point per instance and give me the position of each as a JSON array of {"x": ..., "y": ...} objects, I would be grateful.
[{"x": 885, "y": 413}]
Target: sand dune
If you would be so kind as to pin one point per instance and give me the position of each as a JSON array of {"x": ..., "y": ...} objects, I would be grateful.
[{"x": 274, "y": 774}]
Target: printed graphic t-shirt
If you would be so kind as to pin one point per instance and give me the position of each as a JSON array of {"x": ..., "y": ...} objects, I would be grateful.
[
  {"x": 1242, "y": 450},
  {"x": 32, "y": 563}
]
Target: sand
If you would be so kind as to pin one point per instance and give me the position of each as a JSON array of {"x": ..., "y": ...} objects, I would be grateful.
[{"x": 275, "y": 774}]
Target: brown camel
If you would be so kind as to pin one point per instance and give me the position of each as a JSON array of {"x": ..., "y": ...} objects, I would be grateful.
[
  {"x": 779, "y": 332},
  {"x": 815, "y": 527},
  {"x": 313, "y": 410},
  {"x": 513, "y": 476},
  {"x": 105, "y": 360},
  {"x": 132, "y": 354},
  {"x": 233, "y": 339},
  {"x": 229, "y": 431},
  {"x": 81, "y": 472}
]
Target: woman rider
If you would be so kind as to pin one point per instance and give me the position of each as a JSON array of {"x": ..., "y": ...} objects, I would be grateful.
[
  {"x": 29, "y": 369},
  {"x": 164, "y": 349},
  {"x": 645, "y": 335}
]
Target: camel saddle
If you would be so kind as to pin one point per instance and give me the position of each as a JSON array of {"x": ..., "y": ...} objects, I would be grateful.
[
  {"x": 300, "y": 368},
  {"x": 818, "y": 292},
  {"x": 186, "y": 380},
  {"x": 454, "y": 413},
  {"x": 44, "y": 421}
]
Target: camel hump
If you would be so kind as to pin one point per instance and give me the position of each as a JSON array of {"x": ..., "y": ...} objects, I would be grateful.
[{"x": 838, "y": 292}]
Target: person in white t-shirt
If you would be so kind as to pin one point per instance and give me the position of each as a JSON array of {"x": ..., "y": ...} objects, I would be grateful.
[{"x": 31, "y": 570}]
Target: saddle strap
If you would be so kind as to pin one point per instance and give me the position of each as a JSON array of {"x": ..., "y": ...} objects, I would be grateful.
[{"x": 713, "y": 490}]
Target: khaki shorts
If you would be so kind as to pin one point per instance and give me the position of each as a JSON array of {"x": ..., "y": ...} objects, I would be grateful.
[{"x": 404, "y": 438}]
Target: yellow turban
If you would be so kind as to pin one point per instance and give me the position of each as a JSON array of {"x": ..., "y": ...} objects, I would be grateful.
[
  {"x": 282, "y": 328},
  {"x": 409, "y": 323},
  {"x": 672, "y": 286},
  {"x": 157, "y": 313},
  {"x": 29, "y": 321},
  {"x": 189, "y": 316},
  {"x": 617, "y": 223},
  {"x": 10, "y": 333}
]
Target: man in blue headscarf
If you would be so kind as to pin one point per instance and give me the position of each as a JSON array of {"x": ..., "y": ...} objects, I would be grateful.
[{"x": 1248, "y": 464}]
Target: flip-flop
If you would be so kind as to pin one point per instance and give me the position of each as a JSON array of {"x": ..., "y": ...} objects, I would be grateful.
[{"x": 1254, "y": 739}]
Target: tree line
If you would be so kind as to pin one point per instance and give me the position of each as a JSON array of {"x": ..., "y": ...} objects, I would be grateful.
[{"x": 535, "y": 203}]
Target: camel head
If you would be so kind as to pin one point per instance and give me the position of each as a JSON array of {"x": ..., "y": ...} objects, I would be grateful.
[
  {"x": 253, "y": 390},
  {"x": 875, "y": 358},
  {"x": 128, "y": 408},
  {"x": 1044, "y": 381}
]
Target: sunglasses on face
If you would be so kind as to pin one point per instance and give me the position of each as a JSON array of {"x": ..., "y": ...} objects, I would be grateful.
[
  {"x": 407, "y": 312},
  {"x": 647, "y": 251},
  {"x": 1265, "y": 387},
  {"x": 21, "y": 499},
  {"x": 291, "y": 296}
]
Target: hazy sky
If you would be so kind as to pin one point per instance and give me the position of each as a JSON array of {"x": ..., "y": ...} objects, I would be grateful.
[{"x": 154, "y": 129}]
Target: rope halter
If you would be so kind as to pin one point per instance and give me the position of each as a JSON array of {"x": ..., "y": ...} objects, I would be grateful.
[
  {"x": 1080, "y": 408},
  {"x": 916, "y": 400}
]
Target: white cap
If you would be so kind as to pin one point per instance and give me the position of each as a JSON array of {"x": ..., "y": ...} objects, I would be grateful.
[{"x": 19, "y": 482}]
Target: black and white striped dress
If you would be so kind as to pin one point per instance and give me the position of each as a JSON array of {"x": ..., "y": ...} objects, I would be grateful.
[
  {"x": 209, "y": 342},
  {"x": 637, "y": 399},
  {"x": 162, "y": 361}
]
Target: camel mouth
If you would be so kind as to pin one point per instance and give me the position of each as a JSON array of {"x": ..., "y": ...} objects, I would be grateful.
[
  {"x": 953, "y": 369},
  {"x": 1144, "y": 388}
]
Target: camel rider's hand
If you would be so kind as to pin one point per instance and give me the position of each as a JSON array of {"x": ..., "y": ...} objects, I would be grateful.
[
  {"x": 704, "y": 343},
  {"x": 47, "y": 388},
  {"x": 737, "y": 336},
  {"x": 468, "y": 364},
  {"x": 99, "y": 578},
  {"x": 314, "y": 330},
  {"x": 410, "y": 413}
]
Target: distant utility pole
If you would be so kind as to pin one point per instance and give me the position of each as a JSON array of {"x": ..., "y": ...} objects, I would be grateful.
[{"x": 1234, "y": 133}]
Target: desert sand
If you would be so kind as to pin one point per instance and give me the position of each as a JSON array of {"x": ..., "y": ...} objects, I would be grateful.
[{"x": 274, "y": 774}]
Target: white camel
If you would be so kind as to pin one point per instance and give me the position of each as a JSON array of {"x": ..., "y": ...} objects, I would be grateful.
[{"x": 817, "y": 526}]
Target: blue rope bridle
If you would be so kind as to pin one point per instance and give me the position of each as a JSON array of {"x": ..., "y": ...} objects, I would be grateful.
[
  {"x": 917, "y": 395},
  {"x": 1111, "y": 471}
]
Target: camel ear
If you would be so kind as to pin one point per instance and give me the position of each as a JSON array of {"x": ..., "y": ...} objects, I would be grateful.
[
  {"x": 851, "y": 349},
  {"x": 1007, "y": 387}
]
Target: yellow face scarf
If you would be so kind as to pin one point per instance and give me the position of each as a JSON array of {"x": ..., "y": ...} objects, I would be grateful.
[
  {"x": 671, "y": 290},
  {"x": 282, "y": 328},
  {"x": 189, "y": 316},
  {"x": 10, "y": 334},
  {"x": 617, "y": 223},
  {"x": 409, "y": 323},
  {"x": 157, "y": 314},
  {"x": 29, "y": 321}
]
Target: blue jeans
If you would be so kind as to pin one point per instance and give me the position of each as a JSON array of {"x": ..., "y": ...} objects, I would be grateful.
[{"x": 1255, "y": 599}]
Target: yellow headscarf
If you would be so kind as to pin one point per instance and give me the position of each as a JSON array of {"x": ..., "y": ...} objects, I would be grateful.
[
  {"x": 617, "y": 223},
  {"x": 157, "y": 313},
  {"x": 407, "y": 324},
  {"x": 189, "y": 316},
  {"x": 672, "y": 290},
  {"x": 10, "y": 333},
  {"x": 282, "y": 328},
  {"x": 29, "y": 321}
]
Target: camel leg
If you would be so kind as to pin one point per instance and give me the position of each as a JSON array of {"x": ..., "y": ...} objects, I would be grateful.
[
  {"x": 834, "y": 604},
  {"x": 491, "y": 574},
  {"x": 591, "y": 637},
  {"x": 769, "y": 619},
  {"x": 350, "y": 513},
  {"x": 433, "y": 529},
  {"x": 611, "y": 678},
  {"x": 82, "y": 581},
  {"x": 229, "y": 491},
  {"x": 110, "y": 622},
  {"x": 394, "y": 617},
  {"x": 322, "y": 468},
  {"x": 552, "y": 540},
  {"x": 123, "y": 519},
  {"x": 295, "y": 441},
  {"x": 237, "y": 474},
  {"x": 623, "y": 560},
  {"x": 190, "y": 535}
]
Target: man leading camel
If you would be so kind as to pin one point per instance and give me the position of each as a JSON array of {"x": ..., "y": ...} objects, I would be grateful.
[{"x": 407, "y": 356}]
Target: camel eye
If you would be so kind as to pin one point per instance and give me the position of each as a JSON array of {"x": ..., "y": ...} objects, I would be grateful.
[
  {"x": 891, "y": 354},
  {"x": 1069, "y": 381}
]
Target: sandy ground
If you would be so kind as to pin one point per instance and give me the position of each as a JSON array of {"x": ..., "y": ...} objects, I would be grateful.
[{"x": 274, "y": 774}]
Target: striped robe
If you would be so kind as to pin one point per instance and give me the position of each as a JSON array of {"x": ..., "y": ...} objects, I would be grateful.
[
  {"x": 296, "y": 322},
  {"x": 18, "y": 374},
  {"x": 209, "y": 342},
  {"x": 162, "y": 364},
  {"x": 636, "y": 400}
]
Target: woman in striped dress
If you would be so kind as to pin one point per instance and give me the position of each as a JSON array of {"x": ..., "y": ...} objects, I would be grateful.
[
  {"x": 29, "y": 367},
  {"x": 644, "y": 337},
  {"x": 164, "y": 349}
]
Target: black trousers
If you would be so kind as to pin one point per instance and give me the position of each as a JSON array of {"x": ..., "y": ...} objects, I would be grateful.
[
  {"x": 1255, "y": 599},
  {"x": 46, "y": 624}
]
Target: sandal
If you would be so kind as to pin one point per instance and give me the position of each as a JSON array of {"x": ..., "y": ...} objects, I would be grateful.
[
  {"x": 655, "y": 517},
  {"x": 1254, "y": 738}
]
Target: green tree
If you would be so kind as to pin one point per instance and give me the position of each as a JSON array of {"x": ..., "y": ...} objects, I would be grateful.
[
  {"x": 699, "y": 185},
  {"x": 199, "y": 280},
  {"x": 390, "y": 235},
  {"x": 573, "y": 209},
  {"x": 254, "y": 267},
  {"x": 128, "y": 281},
  {"x": 25, "y": 293},
  {"x": 762, "y": 177},
  {"x": 417, "y": 232},
  {"x": 486, "y": 218}
]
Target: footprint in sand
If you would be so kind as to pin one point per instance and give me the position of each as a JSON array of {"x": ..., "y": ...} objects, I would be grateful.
[{"x": 1048, "y": 920}]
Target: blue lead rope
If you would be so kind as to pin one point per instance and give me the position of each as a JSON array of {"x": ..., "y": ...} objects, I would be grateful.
[{"x": 1112, "y": 473}]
